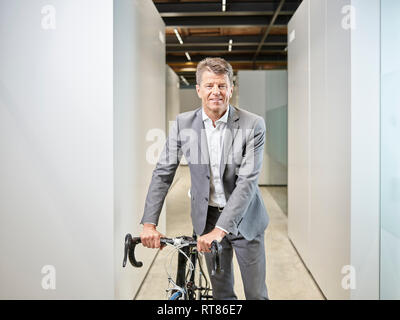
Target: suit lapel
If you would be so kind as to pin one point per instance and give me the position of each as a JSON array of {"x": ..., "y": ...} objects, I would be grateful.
[
  {"x": 203, "y": 154},
  {"x": 232, "y": 127}
]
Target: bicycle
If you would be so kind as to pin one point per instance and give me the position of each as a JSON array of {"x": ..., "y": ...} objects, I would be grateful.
[{"x": 185, "y": 286}]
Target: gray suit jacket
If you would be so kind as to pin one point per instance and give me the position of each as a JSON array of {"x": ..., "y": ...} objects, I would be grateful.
[{"x": 241, "y": 163}]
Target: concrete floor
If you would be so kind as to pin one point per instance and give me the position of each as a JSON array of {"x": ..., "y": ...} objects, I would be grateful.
[{"x": 287, "y": 277}]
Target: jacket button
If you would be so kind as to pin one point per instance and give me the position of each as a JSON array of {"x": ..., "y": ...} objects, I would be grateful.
[
  {"x": 206, "y": 199},
  {"x": 208, "y": 177}
]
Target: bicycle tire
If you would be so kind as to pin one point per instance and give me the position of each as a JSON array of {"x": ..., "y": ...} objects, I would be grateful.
[{"x": 176, "y": 296}]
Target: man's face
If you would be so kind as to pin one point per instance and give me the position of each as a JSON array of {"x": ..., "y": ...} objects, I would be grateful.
[{"x": 214, "y": 91}]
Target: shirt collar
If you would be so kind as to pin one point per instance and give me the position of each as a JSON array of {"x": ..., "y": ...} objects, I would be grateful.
[{"x": 224, "y": 118}]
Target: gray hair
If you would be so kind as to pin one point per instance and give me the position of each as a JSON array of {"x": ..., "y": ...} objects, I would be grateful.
[{"x": 216, "y": 65}]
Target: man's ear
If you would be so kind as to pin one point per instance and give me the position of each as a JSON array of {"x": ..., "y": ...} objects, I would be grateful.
[{"x": 198, "y": 90}]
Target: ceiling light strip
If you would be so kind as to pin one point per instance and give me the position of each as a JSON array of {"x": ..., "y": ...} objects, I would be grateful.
[
  {"x": 230, "y": 45},
  {"x": 178, "y": 36},
  {"x": 184, "y": 80}
]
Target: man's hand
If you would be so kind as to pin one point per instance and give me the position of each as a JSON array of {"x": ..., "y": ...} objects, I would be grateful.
[
  {"x": 204, "y": 242},
  {"x": 151, "y": 237}
]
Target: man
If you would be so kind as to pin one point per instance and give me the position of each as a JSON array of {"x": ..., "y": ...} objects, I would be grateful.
[{"x": 224, "y": 149}]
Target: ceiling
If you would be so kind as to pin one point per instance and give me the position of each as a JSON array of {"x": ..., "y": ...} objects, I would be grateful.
[{"x": 257, "y": 28}]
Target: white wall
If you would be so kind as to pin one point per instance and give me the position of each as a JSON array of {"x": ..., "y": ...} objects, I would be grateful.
[
  {"x": 139, "y": 106},
  {"x": 366, "y": 148},
  {"x": 330, "y": 146},
  {"x": 172, "y": 95},
  {"x": 334, "y": 144},
  {"x": 56, "y": 144},
  {"x": 73, "y": 170},
  {"x": 266, "y": 93},
  {"x": 298, "y": 130},
  {"x": 390, "y": 156}
]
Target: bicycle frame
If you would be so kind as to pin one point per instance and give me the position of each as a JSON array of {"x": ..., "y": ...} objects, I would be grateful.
[{"x": 190, "y": 286}]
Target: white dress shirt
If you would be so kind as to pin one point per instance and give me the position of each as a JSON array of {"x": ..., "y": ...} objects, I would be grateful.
[{"x": 215, "y": 141}]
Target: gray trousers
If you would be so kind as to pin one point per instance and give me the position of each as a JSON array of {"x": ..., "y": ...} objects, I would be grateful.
[{"x": 251, "y": 259}]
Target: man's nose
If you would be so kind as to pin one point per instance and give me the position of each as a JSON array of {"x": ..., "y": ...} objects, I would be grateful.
[{"x": 215, "y": 90}]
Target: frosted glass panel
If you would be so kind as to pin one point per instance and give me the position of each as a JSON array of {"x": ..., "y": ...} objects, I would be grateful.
[{"x": 390, "y": 156}]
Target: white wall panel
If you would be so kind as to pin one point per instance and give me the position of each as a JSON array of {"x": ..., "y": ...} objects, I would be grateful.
[
  {"x": 390, "y": 155},
  {"x": 342, "y": 144},
  {"x": 298, "y": 130},
  {"x": 331, "y": 221},
  {"x": 56, "y": 145},
  {"x": 139, "y": 106},
  {"x": 319, "y": 197},
  {"x": 171, "y": 95},
  {"x": 365, "y": 147},
  {"x": 73, "y": 170}
]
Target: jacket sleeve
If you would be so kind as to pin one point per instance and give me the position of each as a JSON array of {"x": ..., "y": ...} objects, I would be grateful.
[
  {"x": 247, "y": 181},
  {"x": 162, "y": 177}
]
